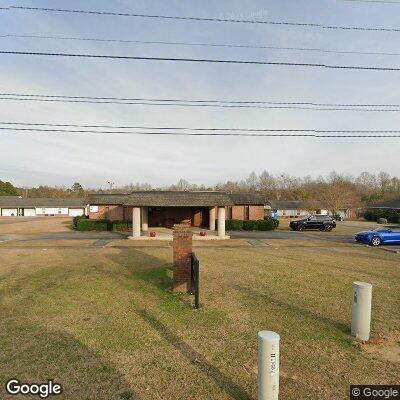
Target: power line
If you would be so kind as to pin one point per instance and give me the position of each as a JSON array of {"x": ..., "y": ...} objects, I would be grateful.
[
  {"x": 203, "y": 103},
  {"x": 310, "y": 135},
  {"x": 184, "y": 131},
  {"x": 226, "y": 45},
  {"x": 203, "y": 60},
  {"x": 231, "y": 20}
]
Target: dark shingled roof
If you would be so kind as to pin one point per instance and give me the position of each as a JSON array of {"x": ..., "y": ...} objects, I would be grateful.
[
  {"x": 107, "y": 198},
  {"x": 31, "y": 202},
  {"x": 392, "y": 204},
  {"x": 248, "y": 198},
  {"x": 157, "y": 198},
  {"x": 178, "y": 199}
]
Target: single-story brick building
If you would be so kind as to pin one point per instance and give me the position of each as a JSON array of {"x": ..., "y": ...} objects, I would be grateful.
[
  {"x": 166, "y": 208},
  {"x": 15, "y": 206}
]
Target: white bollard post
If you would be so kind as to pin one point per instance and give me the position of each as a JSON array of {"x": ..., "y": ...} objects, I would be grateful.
[
  {"x": 268, "y": 365},
  {"x": 361, "y": 310}
]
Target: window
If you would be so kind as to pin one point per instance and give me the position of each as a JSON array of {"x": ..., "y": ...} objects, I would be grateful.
[
  {"x": 246, "y": 213},
  {"x": 229, "y": 212}
]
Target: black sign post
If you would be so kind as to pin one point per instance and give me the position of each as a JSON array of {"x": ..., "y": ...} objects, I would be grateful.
[{"x": 195, "y": 281}]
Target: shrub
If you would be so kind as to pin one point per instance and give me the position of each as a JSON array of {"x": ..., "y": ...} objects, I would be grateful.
[
  {"x": 389, "y": 215},
  {"x": 382, "y": 221},
  {"x": 234, "y": 225},
  {"x": 250, "y": 225},
  {"x": 92, "y": 225},
  {"x": 76, "y": 219},
  {"x": 273, "y": 220},
  {"x": 121, "y": 225},
  {"x": 266, "y": 225},
  {"x": 369, "y": 216}
]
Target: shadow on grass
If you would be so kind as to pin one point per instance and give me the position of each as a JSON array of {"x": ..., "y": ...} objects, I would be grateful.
[
  {"x": 32, "y": 353},
  {"x": 224, "y": 382},
  {"x": 344, "y": 328},
  {"x": 140, "y": 265}
]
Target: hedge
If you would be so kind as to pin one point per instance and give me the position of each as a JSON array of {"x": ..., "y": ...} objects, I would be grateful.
[
  {"x": 121, "y": 225},
  {"x": 250, "y": 225},
  {"x": 76, "y": 219},
  {"x": 382, "y": 221},
  {"x": 233, "y": 224},
  {"x": 389, "y": 215},
  {"x": 267, "y": 224},
  {"x": 92, "y": 224},
  {"x": 274, "y": 221}
]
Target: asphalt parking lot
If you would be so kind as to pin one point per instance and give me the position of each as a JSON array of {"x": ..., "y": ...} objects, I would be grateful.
[{"x": 37, "y": 229}]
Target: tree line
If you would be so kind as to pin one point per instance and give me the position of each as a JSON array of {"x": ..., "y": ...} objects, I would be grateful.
[{"x": 332, "y": 192}]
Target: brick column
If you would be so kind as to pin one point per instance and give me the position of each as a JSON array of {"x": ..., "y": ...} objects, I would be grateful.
[{"x": 182, "y": 250}]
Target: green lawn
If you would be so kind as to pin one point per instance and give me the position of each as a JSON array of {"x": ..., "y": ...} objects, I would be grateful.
[{"x": 103, "y": 323}]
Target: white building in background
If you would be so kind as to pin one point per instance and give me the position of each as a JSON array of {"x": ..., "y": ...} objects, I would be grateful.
[
  {"x": 14, "y": 206},
  {"x": 297, "y": 209},
  {"x": 286, "y": 209}
]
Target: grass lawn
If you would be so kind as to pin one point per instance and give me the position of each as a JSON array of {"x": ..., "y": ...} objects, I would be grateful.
[{"x": 102, "y": 322}]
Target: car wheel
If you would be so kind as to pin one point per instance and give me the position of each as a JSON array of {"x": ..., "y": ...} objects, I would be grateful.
[
  {"x": 328, "y": 228},
  {"x": 300, "y": 227},
  {"x": 376, "y": 241}
]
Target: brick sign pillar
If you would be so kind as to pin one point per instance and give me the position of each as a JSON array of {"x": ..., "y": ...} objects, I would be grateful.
[{"x": 182, "y": 249}]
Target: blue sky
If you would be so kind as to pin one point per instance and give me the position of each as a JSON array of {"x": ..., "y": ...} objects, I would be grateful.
[{"x": 37, "y": 158}]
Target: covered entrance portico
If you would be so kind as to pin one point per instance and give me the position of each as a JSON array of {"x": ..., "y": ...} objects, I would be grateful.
[
  {"x": 169, "y": 216},
  {"x": 146, "y": 217}
]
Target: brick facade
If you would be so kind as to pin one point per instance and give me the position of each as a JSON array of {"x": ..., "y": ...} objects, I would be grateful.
[
  {"x": 111, "y": 212},
  {"x": 244, "y": 212},
  {"x": 168, "y": 216},
  {"x": 182, "y": 252},
  {"x": 256, "y": 212}
]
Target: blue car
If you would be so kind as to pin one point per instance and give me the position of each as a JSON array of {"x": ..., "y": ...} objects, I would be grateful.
[{"x": 379, "y": 236}]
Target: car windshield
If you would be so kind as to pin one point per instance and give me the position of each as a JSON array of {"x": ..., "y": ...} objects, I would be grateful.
[{"x": 381, "y": 230}]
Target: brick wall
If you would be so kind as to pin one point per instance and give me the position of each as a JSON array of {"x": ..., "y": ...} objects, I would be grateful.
[
  {"x": 128, "y": 213},
  {"x": 182, "y": 252},
  {"x": 255, "y": 212},
  {"x": 111, "y": 212},
  {"x": 238, "y": 212}
]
